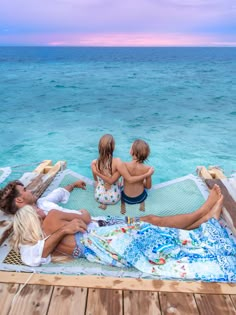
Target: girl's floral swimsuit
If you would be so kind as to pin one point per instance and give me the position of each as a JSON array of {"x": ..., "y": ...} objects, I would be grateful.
[{"x": 107, "y": 196}]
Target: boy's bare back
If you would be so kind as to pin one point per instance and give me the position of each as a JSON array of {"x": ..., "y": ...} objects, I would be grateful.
[{"x": 135, "y": 168}]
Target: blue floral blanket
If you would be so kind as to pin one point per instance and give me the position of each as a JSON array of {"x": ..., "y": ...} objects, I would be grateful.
[{"x": 207, "y": 253}]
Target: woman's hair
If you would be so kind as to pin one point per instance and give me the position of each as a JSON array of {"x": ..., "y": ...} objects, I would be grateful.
[
  {"x": 141, "y": 150},
  {"x": 106, "y": 147},
  {"x": 8, "y": 196},
  {"x": 27, "y": 228}
]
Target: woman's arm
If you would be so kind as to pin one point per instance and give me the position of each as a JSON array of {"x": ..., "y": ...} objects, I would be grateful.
[{"x": 76, "y": 225}]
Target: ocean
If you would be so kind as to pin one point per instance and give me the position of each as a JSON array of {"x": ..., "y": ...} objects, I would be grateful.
[{"x": 56, "y": 102}]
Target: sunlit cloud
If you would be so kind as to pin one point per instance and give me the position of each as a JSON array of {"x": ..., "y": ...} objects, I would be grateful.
[
  {"x": 150, "y": 40},
  {"x": 121, "y": 39}
]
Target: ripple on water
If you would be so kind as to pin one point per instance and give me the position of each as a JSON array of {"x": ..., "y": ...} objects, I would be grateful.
[
  {"x": 218, "y": 98},
  {"x": 52, "y": 133},
  {"x": 59, "y": 86},
  {"x": 62, "y": 108}
]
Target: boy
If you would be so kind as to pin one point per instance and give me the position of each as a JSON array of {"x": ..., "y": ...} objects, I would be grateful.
[{"x": 136, "y": 193}]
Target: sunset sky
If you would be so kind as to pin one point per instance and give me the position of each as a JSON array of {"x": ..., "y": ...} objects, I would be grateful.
[{"x": 118, "y": 22}]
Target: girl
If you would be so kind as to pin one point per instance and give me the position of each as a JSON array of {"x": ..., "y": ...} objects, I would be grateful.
[{"x": 105, "y": 193}]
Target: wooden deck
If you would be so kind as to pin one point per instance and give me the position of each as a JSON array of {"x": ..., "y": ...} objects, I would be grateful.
[{"x": 53, "y": 294}]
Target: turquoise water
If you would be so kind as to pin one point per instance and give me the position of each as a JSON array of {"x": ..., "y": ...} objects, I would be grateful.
[{"x": 57, "y": 102}]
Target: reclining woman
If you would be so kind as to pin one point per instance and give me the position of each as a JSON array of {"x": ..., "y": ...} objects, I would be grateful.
[
  {"x": 160, "y": 249},
  {"x": 107, "y": 171}
]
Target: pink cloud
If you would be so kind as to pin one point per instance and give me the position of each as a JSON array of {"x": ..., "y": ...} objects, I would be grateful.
[{"x": 120, "y": 39}]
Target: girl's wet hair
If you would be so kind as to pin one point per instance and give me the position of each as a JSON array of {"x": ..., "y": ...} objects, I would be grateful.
[
  {"x": 106, "y": 147},
  {"x": 141, "y": 150}
]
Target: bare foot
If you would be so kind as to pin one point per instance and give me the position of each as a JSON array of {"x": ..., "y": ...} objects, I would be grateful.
[
  {"x": 217, "y": 209},
  {"x": 217, "y": 189},
  {"x": 214, "y": 196},
  {"x": 102, "y": 206}
]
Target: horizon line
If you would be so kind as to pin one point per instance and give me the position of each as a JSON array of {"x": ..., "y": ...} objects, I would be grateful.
[{"x": 116, "y": 46}]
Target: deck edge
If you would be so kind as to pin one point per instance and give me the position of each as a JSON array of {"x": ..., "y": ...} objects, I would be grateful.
[{"x": 119, "y": 283}]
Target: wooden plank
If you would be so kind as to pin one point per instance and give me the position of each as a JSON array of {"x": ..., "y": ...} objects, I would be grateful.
[
  {"x": 215, "y": 304},
  {"x": 203, "y": 172},
  {"x": 39, "y": 184},
  {"x": 68, "y": 300},
  {"x": 5, "y": 230},
  {"x": 178, "y": 303},
  {"x": 141, "y": 302},
  {"x": 103, "y": 302},
  {"x": 229, "y": 202},
  {"x": 7, "y": 292},
  {"x": 47, "y": 169},
  {"x": 120, "y": 283},
  {"x": 59, "y": 166},
  {"x": 233, "y": 298},
  {"x": 216, "y": 172},
  {"x": 33, "y": 299},
  {"x": 36, "y": 184},
  {"x": 40, "y": 169}
]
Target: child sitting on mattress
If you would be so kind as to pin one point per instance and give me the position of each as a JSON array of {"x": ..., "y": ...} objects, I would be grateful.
[
  {"x": 137, "y": 176},
  {"x": 107, "y": 171}
]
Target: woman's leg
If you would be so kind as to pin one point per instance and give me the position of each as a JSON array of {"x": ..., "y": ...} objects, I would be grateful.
[
  {"x": 68, "y": 216},
  {"x": 56, "y": 219},
  {"x": 183, "y": 221},
  {"x": 215, "y": 212}
]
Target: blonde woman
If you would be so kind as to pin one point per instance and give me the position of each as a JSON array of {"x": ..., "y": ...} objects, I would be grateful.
[{"x": 34, "y": 240}]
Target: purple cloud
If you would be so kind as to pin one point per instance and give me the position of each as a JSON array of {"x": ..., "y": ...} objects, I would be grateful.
[{"x": 24, "y": 18}]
